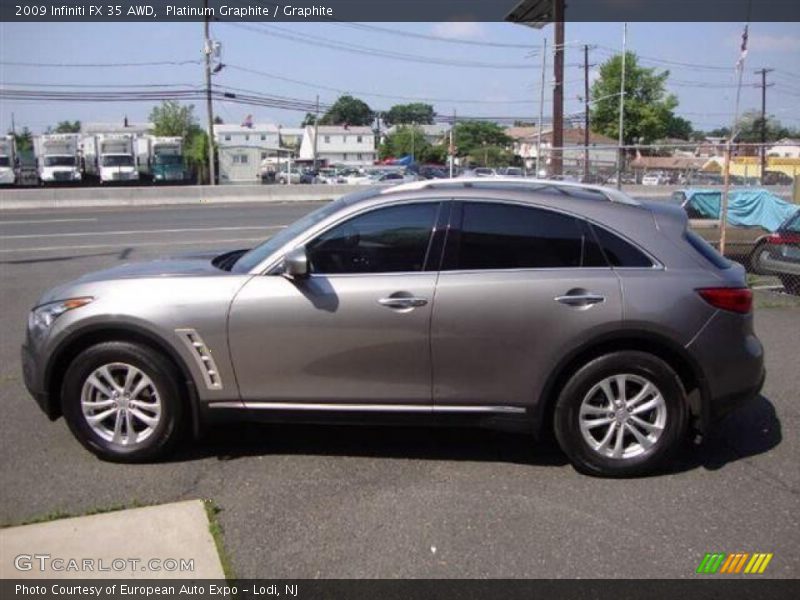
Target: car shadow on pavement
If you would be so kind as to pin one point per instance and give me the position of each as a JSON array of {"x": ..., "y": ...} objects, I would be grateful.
[
  {"x": 232, "y": 441},
  {"x": 750, "y": 430}
]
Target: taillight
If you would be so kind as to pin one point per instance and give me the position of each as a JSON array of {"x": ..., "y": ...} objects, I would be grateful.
[
  {"x": 783, "y": 238},
  {"x": 738, "y": 300}
]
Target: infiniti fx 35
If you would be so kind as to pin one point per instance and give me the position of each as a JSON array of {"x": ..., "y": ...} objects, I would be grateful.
[{"x": 546, "y": 306}]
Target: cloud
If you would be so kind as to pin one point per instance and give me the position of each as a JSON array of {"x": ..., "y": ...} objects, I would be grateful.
[{"x": 458, "y": 30}]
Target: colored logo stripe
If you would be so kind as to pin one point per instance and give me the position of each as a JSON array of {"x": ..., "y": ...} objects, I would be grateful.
[{"x": 720, "y": 562}]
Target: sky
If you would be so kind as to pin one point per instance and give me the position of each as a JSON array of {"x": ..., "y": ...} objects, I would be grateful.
[{"x": 706, "y": 95}]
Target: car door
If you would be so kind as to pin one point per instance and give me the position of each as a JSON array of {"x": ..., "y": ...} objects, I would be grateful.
[
  {"x": 519, "y": 287},
  {"x": 356, "y": 330}
]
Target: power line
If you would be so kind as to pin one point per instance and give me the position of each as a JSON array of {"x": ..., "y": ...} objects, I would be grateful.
[
  {"x": 317, "y": 41},
  {"x": 317, "y": 86},
  {"x": 101, "y": 65}
]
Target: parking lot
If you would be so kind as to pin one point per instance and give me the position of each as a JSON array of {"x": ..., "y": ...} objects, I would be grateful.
[{"x": 339, "y": 502}]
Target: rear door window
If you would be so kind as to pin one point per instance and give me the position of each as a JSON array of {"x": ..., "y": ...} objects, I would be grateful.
[{"x": 508, "y": 236}]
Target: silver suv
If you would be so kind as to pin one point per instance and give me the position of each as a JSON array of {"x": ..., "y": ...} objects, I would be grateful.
[{"x": 546, "y": 306}]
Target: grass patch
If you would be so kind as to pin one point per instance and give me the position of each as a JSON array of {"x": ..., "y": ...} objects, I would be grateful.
[
  {"x": 61, "y": 514},
  {"x": 215, "y": 529},
  {"x": 774, "y": 299}
]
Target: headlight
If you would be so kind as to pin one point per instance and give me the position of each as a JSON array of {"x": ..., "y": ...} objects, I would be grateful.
[{"x": 42, "y": 317}]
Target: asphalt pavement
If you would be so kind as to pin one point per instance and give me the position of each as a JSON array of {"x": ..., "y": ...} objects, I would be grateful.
[{"x": 306, "y": 502}]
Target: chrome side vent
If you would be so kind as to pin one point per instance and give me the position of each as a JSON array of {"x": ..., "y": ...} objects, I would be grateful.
[{"x": 202, "y": 356}]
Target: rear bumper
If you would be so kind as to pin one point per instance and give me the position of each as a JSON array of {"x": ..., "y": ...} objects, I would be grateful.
[{"x": 732, "y": 360}]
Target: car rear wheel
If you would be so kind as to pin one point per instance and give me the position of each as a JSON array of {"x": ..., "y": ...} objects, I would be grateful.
[
  {"x": 122, "y": 401},
  {"x": 621, "y": 415},
  {"x": 791, "y": 283}
]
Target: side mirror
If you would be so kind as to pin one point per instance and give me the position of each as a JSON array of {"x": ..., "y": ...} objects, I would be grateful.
[{"x": 295, "y": 263}]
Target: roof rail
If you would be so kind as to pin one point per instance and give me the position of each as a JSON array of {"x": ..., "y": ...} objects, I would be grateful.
[{"x": 612, "y": 195}]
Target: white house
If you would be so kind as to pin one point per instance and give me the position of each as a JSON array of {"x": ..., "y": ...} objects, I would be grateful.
[
  {"x": 340, "y": 144},
  {"x": 602, "y": 149},
  {"x": 242, "y": 148},
  {"x": 785, "y": 148}
]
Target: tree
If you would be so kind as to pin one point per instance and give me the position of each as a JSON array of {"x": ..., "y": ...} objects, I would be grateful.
[
  {"x": 471, "y": 136},
  {"x": 748, "y": 128},
  {"x": 348, "y": 110},
  {"x": 648, "y": 109},
  {"x": 195, "y": 146},
  {"x": 416, "y": 112},
  {"x": 406, "y": 140},
  {"x": 66, "y": 127},
  {"x": 24, "y": 140},
  {"x": 309, "y": 119},
  {"x": 218, "y": 120},
  {"x": 173, "y": 119},
  {"x": 679, "y": 128}
]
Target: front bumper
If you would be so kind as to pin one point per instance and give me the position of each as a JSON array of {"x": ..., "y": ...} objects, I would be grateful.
[{"x": 34, "y": 383}]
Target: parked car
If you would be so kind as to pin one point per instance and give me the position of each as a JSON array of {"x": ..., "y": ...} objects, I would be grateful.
[
  {"x": 626, "y": 180},
  {"x": 309, "y": 176},
  {"x": 776, "y": 178},
  {"x": 538, "y": 305},
  {"x": 390, "y": 178},
  {"x": 752, "y": 216},
  {"x": 478, "y": 172},
  {"x": 780, "y": 255},
  {"x": 432, "y": 172},
  {"x": 655, "y": 178},
  {"x": 511, "y": 172},
  {"x": 284, "y": 177}
]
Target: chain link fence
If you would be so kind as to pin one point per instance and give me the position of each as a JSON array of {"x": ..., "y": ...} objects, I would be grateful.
[{"x": 763, "y": 228}]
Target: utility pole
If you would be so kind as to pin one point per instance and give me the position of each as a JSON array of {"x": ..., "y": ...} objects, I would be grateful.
[
  {"x": 541, "y": 107},
  {"x": 585, "y": 112},
  {"x": 316, "y": 132},
  {"x": 208, "y": 49},
  {"x": 452, "y": 148},
  {"x": 763, "y": 150},
  {"x": 621, "y": 143},
  {"x": 556, "y": 162}
]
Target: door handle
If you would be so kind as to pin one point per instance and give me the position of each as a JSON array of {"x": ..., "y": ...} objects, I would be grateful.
[
  {"x": 402, "y": 302},
  {"x": 586, "y": 299}
]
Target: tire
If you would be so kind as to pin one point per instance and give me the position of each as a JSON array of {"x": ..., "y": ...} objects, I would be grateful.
[
  {"x": 791, "y": 283},
  {"x": 585, "y": 398},
  {"x": 754, "y": 260},
  {"x": 149, "y": 426}
]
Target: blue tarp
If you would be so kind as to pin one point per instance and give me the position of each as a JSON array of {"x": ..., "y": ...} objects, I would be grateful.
[{"x": 746, "y": 208}]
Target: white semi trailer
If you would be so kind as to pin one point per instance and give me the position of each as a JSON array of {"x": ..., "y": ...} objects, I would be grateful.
[
  {"x": 110, "y": 157},
  {"x": 8, "y": 160},
  {"x": 58, "y": 158}
]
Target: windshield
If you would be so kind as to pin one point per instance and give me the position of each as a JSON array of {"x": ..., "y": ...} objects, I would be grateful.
[
  {"x": 59, "y": 161},
  {"x": 168, "y": 159},
  {"x": 261, "y": 252},
  {"x": 117, "y": 160},
  {"x": 5, "y": 161}
]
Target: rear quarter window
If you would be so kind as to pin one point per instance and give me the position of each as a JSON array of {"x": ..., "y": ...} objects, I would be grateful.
[
  {"x": 619, "y": 252},
  {"x": 706, "y": 250}
]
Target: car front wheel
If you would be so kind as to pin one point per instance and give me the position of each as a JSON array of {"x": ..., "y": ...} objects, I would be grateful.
[
  {"x": 621, "y": 415},
  {"x": 122, "y": 401}
]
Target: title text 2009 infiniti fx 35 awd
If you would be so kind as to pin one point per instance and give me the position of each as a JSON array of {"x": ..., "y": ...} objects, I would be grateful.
[{"x": 547, "y": 306}]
